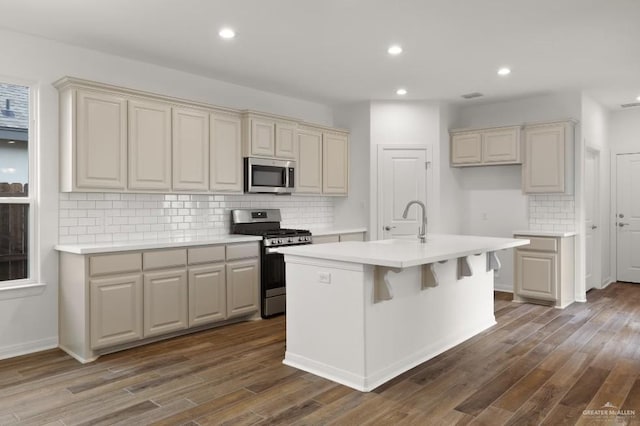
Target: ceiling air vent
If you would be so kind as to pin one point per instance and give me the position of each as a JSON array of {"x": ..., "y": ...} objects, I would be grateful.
[
  {"x": 472, "y": 95},
  {"x": 632, "y": 104}
]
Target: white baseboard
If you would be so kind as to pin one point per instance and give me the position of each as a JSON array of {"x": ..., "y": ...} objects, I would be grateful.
[
  {"x": 28, "y": 347},
  {"x": 606, "y": 283}
]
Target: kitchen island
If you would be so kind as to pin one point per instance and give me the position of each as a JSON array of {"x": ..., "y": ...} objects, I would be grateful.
[{"x": 361, "y": 313}]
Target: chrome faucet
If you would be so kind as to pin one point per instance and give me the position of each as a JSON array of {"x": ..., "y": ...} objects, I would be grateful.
[{"x": 422, "y": 232}]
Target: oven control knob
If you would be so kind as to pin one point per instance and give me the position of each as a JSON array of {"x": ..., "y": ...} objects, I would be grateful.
[
  {"x": 290, "y": 240},
  {"x": 279, "y": 241}
]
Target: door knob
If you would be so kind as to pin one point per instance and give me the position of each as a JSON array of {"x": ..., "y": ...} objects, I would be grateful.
[
  {"x": 388, "y": 228},
  {"x": 594, "y": 226},
  {"x": 621, "y": 224}
]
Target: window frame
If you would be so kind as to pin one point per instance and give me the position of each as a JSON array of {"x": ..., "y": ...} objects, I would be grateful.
[{"x": 33, "y": 254}]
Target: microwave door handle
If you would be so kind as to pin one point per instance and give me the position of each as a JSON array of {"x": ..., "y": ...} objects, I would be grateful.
[{"x": 285, "y": 177}]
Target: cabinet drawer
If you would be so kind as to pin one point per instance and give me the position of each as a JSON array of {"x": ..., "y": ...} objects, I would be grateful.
[
  {"x": 322, "y": 239},
  {"x": 164, "y": 259},
  {"x": 115, "y": 263},
  {"x": 205, "y": 254},
  {"x": 354, "y": 236},
  {"x": 541, "y": 244},
  {"x": 242, "y": 251}
]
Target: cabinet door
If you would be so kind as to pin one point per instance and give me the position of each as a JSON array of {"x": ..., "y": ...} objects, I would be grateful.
[
  {"x": 536, "y": 274},
  {"x": 101, "y": 141},
  {"x": 309, "y": 164},
  {"x": 116, "y": 310},
  {"x": 226, "y": 155},
  {"x": 262, "y": 137},
  {"x": 501, "y": 146},
  {"x": 335, "y": 164},
  {"x": 165, "y": 302},
  {"x": 149, "y": 146},
  {"x": 543, "y": 169},
  {"x": 242, "y": 287},
  {"x": 286, "y": 140},
  {"x": 190, "y": 150},
  {"x": 466, "y": 148},
  {"x": 207, "y": 294}
]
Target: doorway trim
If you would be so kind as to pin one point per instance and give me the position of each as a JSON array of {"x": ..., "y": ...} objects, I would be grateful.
[
  {"x": 376, "y": 212},
  {"x": 597, "y": 243}
]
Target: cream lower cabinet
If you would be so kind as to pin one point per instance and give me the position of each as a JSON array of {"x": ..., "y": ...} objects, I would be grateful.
[
  {"x": 116, "y": 310},
  {"x": 335, "y": 238},
  {"x": 113, "y": 301},
  {"x": 544, "y": 271},
  {"x": 243, "y": 279},
  {"x": 207, "y": 294},
  {"x": 165, "y": 302}
]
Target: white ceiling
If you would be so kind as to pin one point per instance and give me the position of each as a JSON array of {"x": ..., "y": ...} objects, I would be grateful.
[{"x": 334, "y": 51}]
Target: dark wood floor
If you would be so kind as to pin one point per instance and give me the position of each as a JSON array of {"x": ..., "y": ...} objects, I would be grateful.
[{"x": 539, "y": 365}]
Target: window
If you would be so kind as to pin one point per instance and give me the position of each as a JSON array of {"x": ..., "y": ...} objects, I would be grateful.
[{"x": 16, "y": 194}]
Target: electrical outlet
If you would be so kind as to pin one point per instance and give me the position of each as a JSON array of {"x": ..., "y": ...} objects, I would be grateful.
[{"x": 324, "y": 277}]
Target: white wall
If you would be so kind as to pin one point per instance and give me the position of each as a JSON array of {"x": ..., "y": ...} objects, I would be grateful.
[
  {"x": 493, "y": 201},
  {"x": 595, "y": 135},
  {"x": 30, "y": 323},
  {"x": 353, "y": 211}
]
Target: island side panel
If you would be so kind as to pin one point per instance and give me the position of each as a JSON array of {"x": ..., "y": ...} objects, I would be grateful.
[
  {"x": 417, "y": 324},
  {"x": 325, "y": 320}
]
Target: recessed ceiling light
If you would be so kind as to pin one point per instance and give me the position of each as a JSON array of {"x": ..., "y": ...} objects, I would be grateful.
[
  {"x": 227, "y": 33},
  {"x": 401, "y": 92},
  {"x": 638, "y": 99},
  {"x": 504, "y": 71},
  {"x": 395, "y": 49}
]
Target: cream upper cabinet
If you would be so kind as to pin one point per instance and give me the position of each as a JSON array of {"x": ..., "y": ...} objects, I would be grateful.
[
  {"x": 149, "y": 146},
  {"x": 225, "y": 164},
  {"x": 260, "y": 137},
  {"x": 466, "y": 148},
  {"x": 267, "y": 136},
  {"x": 547, "y": 151},
  {"x": 486, "y": 147},
  {"x": 285, "y": 140},
  {"x": 190, "y": 149},
  {"x": 309, "y": 161},
  {"x": 99, "y": 140},
  {"x": 501, "y": 146},
  {"x": 335, "y": 163}
]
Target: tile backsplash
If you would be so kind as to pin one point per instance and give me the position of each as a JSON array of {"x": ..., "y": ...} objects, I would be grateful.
[
  {"x": 551, "y": 212},
  {"x": 106, "y": 217}
]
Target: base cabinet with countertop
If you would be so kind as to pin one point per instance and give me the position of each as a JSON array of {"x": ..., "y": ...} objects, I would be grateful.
[
  {"x": 544, "y": 271},
  {"x": 111, "y": 301}
]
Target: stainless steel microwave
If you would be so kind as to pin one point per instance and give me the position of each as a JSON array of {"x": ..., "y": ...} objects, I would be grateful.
[{"x": 263, "y": 175}]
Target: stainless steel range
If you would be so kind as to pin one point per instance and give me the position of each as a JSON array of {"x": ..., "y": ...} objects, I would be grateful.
[{"x": 266, "y": 223}]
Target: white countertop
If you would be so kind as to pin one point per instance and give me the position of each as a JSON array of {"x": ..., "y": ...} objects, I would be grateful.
[
  {"x": 404, "y": 253},
  {"x": 335, "y": 231},
  {"x": 93, "y": 248},
  {"x": 533, "y": 233}
]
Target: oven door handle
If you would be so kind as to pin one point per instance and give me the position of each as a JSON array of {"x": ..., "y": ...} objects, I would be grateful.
[{"x": 269, "y": 250}]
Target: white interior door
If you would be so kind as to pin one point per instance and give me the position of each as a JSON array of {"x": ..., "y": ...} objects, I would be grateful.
[
  {"x": 402, "y": 177},
  {"x": 592, "y": 220},
  {"x": 628, "y": 217}
]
